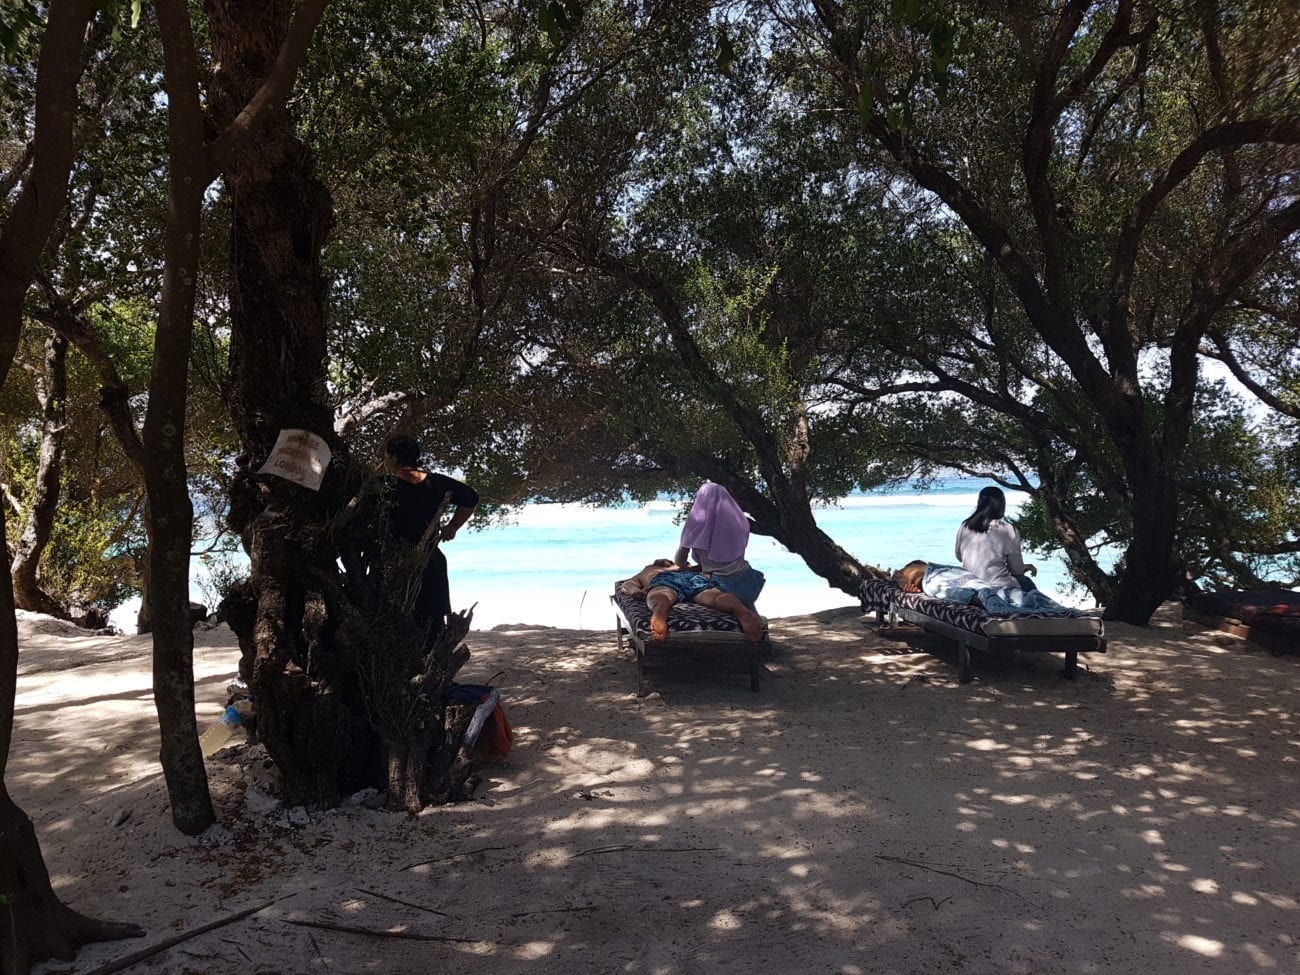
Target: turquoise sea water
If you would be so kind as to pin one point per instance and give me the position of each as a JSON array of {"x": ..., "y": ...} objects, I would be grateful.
[{"x": 556, "y": 564}]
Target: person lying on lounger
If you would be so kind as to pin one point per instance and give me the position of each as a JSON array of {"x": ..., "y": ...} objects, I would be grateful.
[
  {"x": 664, "y": 583},
  {"x": 955, "y": 584}
]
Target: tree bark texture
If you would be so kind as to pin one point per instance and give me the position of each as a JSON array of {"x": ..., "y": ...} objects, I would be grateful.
[
  {"x": 44, "y": 192},
  {"x": 1150, "y": 571},
  {"x": 52, "y": 393},
  {"x": 34, "y": 925},
  {"x": 281, "y": 216},
  {"x": 170, "y": 518}
]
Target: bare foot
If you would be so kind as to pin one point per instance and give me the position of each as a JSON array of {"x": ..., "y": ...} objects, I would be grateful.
[
  {"x": 659, "y": 626},
  {"x": 750, "y": 625}
]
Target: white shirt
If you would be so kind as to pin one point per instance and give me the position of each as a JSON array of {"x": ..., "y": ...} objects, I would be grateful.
[{"x": 994, "y": 555}]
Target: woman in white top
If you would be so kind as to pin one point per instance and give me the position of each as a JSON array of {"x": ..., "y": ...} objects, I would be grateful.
[{"x": 989, "y": 547}]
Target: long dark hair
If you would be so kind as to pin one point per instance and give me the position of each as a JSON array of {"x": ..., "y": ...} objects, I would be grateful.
[{"x": 992, "y": 506}]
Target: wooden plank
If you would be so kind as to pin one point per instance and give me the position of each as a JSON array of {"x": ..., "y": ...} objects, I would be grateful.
[{"x": 1235, "y": 627}]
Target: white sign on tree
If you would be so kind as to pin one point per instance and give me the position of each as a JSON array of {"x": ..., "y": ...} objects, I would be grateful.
[{"x": 299, "y": 456}]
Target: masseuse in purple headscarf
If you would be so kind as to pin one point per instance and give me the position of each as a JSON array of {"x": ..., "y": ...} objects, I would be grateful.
[{"x": 715, "y": 535}]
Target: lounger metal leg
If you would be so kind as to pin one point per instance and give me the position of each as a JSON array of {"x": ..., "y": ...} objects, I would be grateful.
[
  {"x": 618, "y": 628},
  {"x": 963, "y": 662},
  {"x": 640, "y": 672},
  {"x": 1071, "y": 664}
]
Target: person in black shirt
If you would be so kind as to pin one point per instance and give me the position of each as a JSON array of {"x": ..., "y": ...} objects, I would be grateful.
[{"x": 417, "y": 496}]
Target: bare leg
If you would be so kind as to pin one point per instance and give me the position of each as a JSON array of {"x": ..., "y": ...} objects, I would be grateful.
[
  {"x": 724, "y": 602},
  {"x": 660, "y": 601}
]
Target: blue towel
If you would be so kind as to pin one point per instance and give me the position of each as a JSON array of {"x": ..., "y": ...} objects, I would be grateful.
[{"x": 955, "y": 584}]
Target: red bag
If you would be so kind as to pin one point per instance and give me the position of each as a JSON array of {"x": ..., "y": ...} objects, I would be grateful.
[{"x": 497, "y": 736}]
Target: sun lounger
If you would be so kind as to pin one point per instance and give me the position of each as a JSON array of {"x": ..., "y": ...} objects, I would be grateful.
[
  {"x": 971, "y": 628},
  {"x": 1269, "y": 618},
  {"x": 695, "y": 634}
]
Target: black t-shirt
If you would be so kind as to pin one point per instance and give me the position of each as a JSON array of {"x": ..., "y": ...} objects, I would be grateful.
[{"x": 414, "y": 505}]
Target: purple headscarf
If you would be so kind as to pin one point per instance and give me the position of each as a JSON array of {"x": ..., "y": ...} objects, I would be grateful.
[{"x": 716, "y": 525}]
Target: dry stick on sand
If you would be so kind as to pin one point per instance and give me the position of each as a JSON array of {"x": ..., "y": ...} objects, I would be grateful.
[
  {"x": 380, "y": 932},
  {"x": 453, "y": 856},
  {"x": 138, "y": 956},
  {"x": 956, "y": 876},
  {"x": 625, "y": 848},
  {"x": 398, "y": 900}
]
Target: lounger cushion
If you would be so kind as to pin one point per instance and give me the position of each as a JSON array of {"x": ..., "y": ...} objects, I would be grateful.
[
  {"x": 686, "y": 621},
  {"x": 1267, "y": 611},
  {"x": 878, "y": 594}
]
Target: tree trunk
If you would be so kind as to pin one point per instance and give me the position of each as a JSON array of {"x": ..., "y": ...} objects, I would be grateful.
[
  {"x": 300, "y": 718},
  {"x": 171, "y": 515},
  {"x": 783, "y": 512},
  {"x": 407, "y": 760},
  {"x": 310, "y": 635},
  {"x": 144, "y": 617},
  {"x": 34, "y": 925},
  {"x": 823, "y": 555},
  {"x": 281, "y": 216},
  {"x": 37, "y": 925},
  {"x": 52, "y": 391},
  {"x": 1149, "y": 574},
  {"x": 115, "y": 403}
]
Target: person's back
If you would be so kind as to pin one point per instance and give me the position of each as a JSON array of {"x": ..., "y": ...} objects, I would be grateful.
[
  {"x": 715, "y": 534},
  {"x": 417, "y": 503},
  {"x": 417, "y": 497},
  {"x": 993, "y": 556},
  {"x": 989, "y": 547}
]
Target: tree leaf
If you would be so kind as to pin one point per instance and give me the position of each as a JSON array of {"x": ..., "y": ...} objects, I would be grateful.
[{"x": 866, "y": 102}]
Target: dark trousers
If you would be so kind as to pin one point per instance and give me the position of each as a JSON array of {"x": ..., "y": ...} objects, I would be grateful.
[{"x": 434, "y": 602}]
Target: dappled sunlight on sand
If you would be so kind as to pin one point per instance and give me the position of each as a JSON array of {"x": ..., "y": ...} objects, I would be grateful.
[{"x": 863, "y": 813}]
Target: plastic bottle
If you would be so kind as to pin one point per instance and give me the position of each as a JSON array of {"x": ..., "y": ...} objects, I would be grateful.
[{"x": 218, "y": 734}]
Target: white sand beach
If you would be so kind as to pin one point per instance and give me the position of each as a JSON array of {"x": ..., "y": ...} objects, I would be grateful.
[{"x": 863, "y": 813}]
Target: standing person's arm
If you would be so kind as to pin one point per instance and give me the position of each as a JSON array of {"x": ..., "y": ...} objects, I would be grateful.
[
  {"x": 461, "y": 516},
  {"x": 682, "y": 556},
  {"x": 464, "y": 497},
  {"x": 957, "y": 548}
]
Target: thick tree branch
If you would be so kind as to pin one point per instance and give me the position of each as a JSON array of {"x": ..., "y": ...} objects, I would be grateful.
[
  {"x": 1229, "y": 135},
  {"x": 1222, "y": 351},
  {"x": 347, "y": 422},
  {"x": 275, "y": 89},
  {"x": 44, "y": 192}
]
